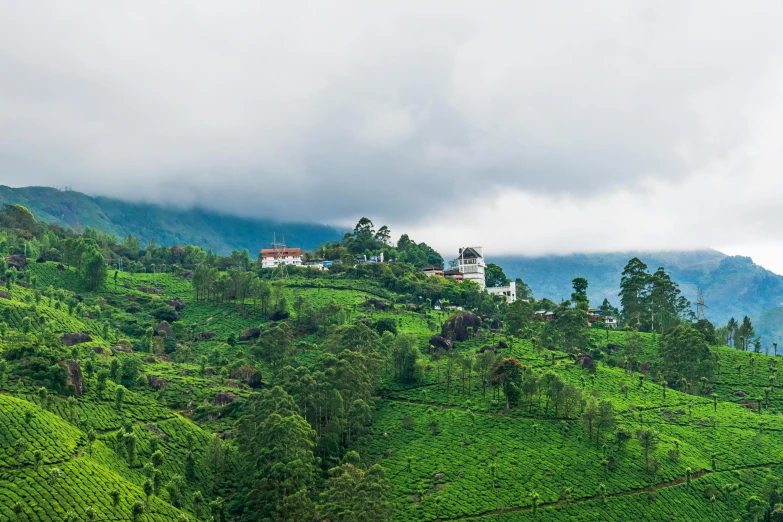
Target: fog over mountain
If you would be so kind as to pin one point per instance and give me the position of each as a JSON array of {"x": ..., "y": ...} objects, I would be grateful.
[{"x": 528, "y": 128}]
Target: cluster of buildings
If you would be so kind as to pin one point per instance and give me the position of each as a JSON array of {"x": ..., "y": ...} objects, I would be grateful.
[{"x": 471, "y": 266}]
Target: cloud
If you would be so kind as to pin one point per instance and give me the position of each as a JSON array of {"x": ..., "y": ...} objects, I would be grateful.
[{"x": 632, "y": 124}]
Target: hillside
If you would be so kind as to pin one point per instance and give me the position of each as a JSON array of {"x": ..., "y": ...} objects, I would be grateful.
[
  {"x": 448, "y": 447},
  {"x": 733, "y": 286},
  {"x": 167, "y": 225}
]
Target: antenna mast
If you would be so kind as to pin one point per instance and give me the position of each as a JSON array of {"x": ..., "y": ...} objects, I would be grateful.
[
  {"x": 280, "y": 250},
  {"x": 700, "y": 306}
]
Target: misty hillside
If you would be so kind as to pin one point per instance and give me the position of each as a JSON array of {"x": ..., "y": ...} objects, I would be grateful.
[
  {"x": 732, "y": 285},
  {"x": 167, "y": 225}
]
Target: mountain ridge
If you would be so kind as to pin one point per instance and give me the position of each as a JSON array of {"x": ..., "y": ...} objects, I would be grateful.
[{"x": 167, "y": 225}]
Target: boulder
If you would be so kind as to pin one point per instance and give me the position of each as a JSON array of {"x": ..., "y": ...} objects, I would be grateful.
[
  {"x": 148, "y": 290},
  {"x": 223, "y": 398},
  {"x": 441, "y": 342},
  {"x": 156, "y": 383},
  {"x": 493, "y": 323},
  {"x": 17, "y": 261},
  {"x": 75, "y": 377},
  {"x": 739, "y": 393},
  {"x": 120, "y": 348},
  {"x": 205, "y": 336},
  {"x": 154, "y": 429},
  {"x": 488, "y": 348},
  {"x": 23, "y": 284},
  {"x": 176, "y": 303},
  {"x": 4, "y": 294},
  {"x": 60, "y": 267},
  {"x": 250, "y": 333},
  {"x": 375, "y": 303},
  {"x": 502, "y": 344},
  {"x": 456, "y": 328},
  {"x": 148, "y": 359},
  {"x": 163, "y": 357},
  {"x": 71, "y": 339},
  {"x": 164, "y": 328},
  {"x": 438, "y": 476},
  {"x": 97, "y": 349}
]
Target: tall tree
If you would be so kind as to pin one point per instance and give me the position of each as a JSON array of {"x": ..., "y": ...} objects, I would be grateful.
[{"x": 633, "y": 291}]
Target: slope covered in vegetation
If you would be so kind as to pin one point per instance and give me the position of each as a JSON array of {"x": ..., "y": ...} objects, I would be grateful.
[{"x": 212, "y": 389}]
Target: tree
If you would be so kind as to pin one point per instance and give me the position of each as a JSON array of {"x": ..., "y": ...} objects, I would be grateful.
[
  {"x": 277, "y": 444},
  {"x": 198, "y": 503},
  {"x": 523, "y": 291},
  {"x": 149, "y": 489},
  {"x": 119, "y": 396},
  {"x": 685, "y": 355},
  {"x": 20, "y": 448},
  {"x": 95, "y": 271},
  {"x": 648, "y": 440},
  {"x": 137, "y": 509},
  {"x": 494, "y": 276},
  {"x": 507, "y": 375},
  {"x": 115, "y": 497},
  {"x": 606, "y": 418},
  {"x": 580, "y": 290},
  {"x": 54, "y": 476},
  {"x": 633, "y": 291},
  {"x": 103, "y": 376},
  {"x": 590, "y": 417},
  {"x": 174, "y": 489},
  {"x": 756, "y": 507}
]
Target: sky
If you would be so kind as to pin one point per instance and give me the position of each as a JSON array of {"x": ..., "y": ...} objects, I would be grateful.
[{"x": 525, "y": 127}]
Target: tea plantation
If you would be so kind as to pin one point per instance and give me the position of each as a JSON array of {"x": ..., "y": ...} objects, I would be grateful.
[{"x": 228, "y": 392}]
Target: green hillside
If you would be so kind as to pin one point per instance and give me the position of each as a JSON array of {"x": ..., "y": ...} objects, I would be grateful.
[
  {"x": 167, "y": 225},
  {"x": 207, "y": 394}
]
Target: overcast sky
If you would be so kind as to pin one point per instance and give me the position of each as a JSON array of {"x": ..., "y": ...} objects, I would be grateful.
[{"x": 526, "y": 127}]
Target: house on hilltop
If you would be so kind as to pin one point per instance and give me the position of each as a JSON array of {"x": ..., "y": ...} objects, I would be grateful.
[
  {"x": 273, "y": 257},
  {"x": 472, "y": 266}
]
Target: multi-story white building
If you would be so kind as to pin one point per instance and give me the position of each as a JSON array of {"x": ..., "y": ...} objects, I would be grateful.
[
  {"x": 509, "y": 292},
  {"x": 472, "y": 265},
  {"x": 272, "y": 257}
]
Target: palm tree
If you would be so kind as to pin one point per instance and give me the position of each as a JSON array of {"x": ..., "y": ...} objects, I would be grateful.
[
  {"x": 115, "y": 497},
  {"x": 688, "y": 472},
  {"x": 90, "y": 514}
]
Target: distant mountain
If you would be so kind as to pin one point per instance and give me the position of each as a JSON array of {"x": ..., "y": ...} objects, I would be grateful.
[
  {"x": 167, "y": 225},
  {"x": 733, "y": 286}
]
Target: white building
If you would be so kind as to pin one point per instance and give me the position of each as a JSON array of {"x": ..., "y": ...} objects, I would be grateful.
[
  {"x": 272, "y": 257},
  {"x": 472, "y": 265},
  {"x": 610, "y": 322},
  {"x": 509, "y": 292}
]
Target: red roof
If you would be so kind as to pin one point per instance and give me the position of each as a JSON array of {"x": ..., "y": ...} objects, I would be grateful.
[{"x": 288, "y": 252}]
